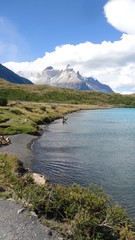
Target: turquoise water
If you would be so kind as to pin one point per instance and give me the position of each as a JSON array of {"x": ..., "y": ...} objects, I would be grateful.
[{"x": 93, "y": 146}]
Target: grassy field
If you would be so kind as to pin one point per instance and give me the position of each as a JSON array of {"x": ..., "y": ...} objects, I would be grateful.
[
  {"x": 30, "y": 106},
  {"x": 25, "y": 117}
]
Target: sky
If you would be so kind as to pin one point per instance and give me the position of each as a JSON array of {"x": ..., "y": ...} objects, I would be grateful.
[{"x": 96, "y": 37}]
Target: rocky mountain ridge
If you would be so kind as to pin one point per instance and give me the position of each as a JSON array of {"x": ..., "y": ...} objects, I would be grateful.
[{"x": 67, "y": 78}]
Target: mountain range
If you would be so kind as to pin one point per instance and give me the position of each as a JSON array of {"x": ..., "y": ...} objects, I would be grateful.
[
  {"x": 12, "y": 77},
  {"x": 67, "y": 78}
]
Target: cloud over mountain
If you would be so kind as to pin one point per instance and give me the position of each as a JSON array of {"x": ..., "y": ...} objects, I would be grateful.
[{"x": 112, "y": 63}]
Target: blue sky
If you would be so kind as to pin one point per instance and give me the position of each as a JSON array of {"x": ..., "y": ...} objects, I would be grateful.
[
  {"x": 42, "y": 25},
  {"x": 96, "y": 37}
]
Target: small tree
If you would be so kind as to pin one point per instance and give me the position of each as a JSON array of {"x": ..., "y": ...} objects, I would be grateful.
[{"x": 3, "y": 101}]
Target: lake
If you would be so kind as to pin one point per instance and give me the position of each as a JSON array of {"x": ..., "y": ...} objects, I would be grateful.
[{"x": 95, "y": 146}]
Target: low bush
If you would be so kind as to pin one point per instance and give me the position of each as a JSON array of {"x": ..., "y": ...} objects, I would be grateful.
[
  {"x": 29, "y": 109},
  {"x": 3, "y": 101},
  {"x": 126, "y": 233},
  {"x": 22, "y": 128},
  {"x": 86, "y": 212},
  {"x": 3, "y": 119},
  {"x": 16, "y": 111},
  {"x": 43, "y": 108}
]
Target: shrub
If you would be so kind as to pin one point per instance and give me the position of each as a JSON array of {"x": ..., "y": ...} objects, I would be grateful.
[
  {"x": 3, "y": 119},
  {"x": 43, "y": 108},
  {"x": 47, "y": 119},
  {"x": 87, "y": 213},
  {"x": 29, "y": 109},
  {"x": 126, "y": 233},
  {"x": 16, "y": 111},
  {"x": 3, "y": 102},
  {"x": 53, "y": 106}
]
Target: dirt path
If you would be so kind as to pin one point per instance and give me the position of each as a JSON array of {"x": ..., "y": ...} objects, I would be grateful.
[{"x": 16, "y": 223}]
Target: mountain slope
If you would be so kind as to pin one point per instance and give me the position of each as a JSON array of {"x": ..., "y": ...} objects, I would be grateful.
[
  {"x": 67, "y": 78},
  {"x": 12, "y": 77},
  {"x": 96, "y": 86},
  {"x": 47, "y": 94}
]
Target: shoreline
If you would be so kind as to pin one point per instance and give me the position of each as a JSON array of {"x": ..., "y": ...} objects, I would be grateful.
[{"x": 21, "y": 146}]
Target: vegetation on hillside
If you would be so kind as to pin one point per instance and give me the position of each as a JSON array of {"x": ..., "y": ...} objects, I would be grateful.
[
  {"x": 31, "y": 105},
  {"x": 3, "y": 101},
  {"x": 38, "y": 93},
  {"x": 80, "y": 214}
]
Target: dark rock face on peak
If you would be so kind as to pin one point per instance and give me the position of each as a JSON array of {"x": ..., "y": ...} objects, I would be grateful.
[
  {"x": 12, "y": 77},
  {"x": 49, "y": 68},
  {"x": 96, "y": 86},
  {"x": 69, "y": 68}
]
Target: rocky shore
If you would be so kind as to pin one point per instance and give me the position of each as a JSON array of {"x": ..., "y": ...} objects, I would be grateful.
[{"x": 21, "y": 147}]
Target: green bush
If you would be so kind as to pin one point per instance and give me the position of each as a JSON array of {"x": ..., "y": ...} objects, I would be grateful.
[
  {"x": 11, "y": 130},
  {"x": 3, "y": 119},
  {"x": 16, "y": 111},
  {"x": 3, "y": 102},
  {"x": 126, "y": 233},
  {"x": 43, "y": 108},
  {"x": 29, "y": 109},
  {"x": 86, "y": 214}
]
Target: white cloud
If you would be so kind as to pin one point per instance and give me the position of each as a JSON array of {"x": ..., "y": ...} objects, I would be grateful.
[
  {"x": 111, "y": 63},
  {"x": 121, "y": 15}
]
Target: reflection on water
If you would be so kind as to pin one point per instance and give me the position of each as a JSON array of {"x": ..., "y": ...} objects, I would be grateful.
[{"x": 93, "y": 146}]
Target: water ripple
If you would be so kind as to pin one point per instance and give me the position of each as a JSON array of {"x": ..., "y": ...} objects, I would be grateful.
[{"x": 94, "y": 146}]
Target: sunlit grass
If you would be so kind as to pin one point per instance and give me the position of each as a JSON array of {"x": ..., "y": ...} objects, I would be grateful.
[{"x": 24, "y": 117}]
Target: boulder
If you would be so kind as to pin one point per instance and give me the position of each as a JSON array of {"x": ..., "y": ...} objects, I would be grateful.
[{"x": 39, "y": 179}]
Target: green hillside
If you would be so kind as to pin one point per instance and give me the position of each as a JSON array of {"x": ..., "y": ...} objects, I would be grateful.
[
  {"x": 31, "y": 105},
  {"x": 38, "y": 93}
]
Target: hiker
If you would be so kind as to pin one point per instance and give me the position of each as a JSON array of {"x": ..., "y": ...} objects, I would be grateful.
[{"x": 64, "y": 119}]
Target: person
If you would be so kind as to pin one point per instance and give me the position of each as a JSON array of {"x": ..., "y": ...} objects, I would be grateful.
[{"x": 64, "y": 119}]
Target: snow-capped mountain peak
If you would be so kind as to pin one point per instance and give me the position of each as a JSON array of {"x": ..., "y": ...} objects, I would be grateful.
[{"x": 67, "y": 78}]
